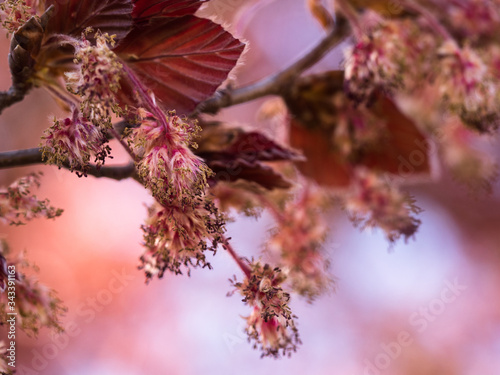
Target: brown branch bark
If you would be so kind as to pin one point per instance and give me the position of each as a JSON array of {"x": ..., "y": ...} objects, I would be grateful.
[
  {"x": 243, "y": 266},
  {"x": 276, "y": 83},
  {"x": 20, "y": 158},
  {"x": 32, "y": 156},
  {"x": 15, "y": 94}
]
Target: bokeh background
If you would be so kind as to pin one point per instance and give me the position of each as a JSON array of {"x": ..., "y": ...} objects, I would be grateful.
[{"x": 431, "y": 306}]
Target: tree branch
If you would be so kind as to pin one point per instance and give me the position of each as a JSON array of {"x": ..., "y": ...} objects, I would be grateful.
[
  {"x": 31, "y": 156},
  {"x": 276, "y": 83},
  {"x": 118, "y": 172},
  {"x": 20, "y": 158},
  {"x": 15, "y": 94}
]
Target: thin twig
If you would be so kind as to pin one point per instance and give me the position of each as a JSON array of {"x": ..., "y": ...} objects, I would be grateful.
[
  {"x": 244, "y": 267},
  {"x": 115, "y": 172},
  {"x": 347, "y": 10},
  {"x": 145, "y": 95},
  {"x": 32, "y": 156},
  {"x": 276, "y": 83},
  {"x": 272, "y": 207},
  {"x": 13, "y": 95}
]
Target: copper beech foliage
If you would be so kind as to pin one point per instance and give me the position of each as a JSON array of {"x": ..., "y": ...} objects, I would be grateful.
[{"x": 419, "y": 83}]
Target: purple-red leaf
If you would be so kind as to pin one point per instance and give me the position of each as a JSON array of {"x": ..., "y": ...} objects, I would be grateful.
[
  {"x": 250, "y": 146},
  {"x": 256, "y": 146},
  {"x": 237, "y": 169},
  {"x": 402, "y": 148},
  {"x": 183, "y": 60},
  {"x": 72, "y": 17},
  {"x": 145, "y": 9},
  {"x": 234, "y": 154}
]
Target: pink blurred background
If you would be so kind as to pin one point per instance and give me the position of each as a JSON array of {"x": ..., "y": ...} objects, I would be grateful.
[{"x": 394, "y": 312}]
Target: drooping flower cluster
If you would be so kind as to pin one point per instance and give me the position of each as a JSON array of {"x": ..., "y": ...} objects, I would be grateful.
[
  {"x": 36, "y": 305},
  {"x": 271, "y": 324},
  {"x": 372, "y": 202},
  {"x": 14, "y": 13},
  {"x": 73, "y": 142},
  {"x": 168, "y": 167},
  {"x": 404, "y": 54},
  {"x": 388, "y": 56},
  {"x": 184, "y": 223},
  {"x": 178, "y": 236},
  {"x": 474, "y": 19},
  {"x": 374, "y": 62},
  {"x": 444, "y": 55},
  {"x": 241, "y": 196},
  {"x": 297, "y": 242},
  {"x": 98, "y": 79},
  {"x": 468, "y": 87},
  {"x": 18, "y": 204},
  {"x": 460, "y": 149}
]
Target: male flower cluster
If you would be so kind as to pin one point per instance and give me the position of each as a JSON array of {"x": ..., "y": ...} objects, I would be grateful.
[
  {"x": 372, "y": 202},
  {"x": 18, "y": 204},
  {"x": 474, "y": 19},
  {"x": 389, "y": 56},
  {"x": 466, "y": 161},
  {"x": 394, "y": 57},
  {"x": 74, "y": 141},
  {"x": 35, "y": 304},
  {"x": 176, "y": 237},
  {"x": 468, "y": 87},
  {"x": 375, "y": 61},
  {"x": 271, "y": 324},
  {"x": 14, "y": 13},
  {"x": 98, "y": 79},
  {"x": 167, "y": 166},
  {"x": 298, "y": 240}
]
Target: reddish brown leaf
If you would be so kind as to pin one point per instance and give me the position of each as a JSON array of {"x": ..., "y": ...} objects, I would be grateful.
[
  {"x": 146, "y": 9},
  {"x": 256, "y": 146},
  {"x": 237, "y": 169},
  {"x": 401, "y": 149},
  {"x": 322, "y": 164},
  {"x": 233, "y": 154},
  {"x": 229, "y": 143},
  {"x": 183, "y": 60},
  {"x": 72, "y": 17},
  {"x": 406, "y": 151}
]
